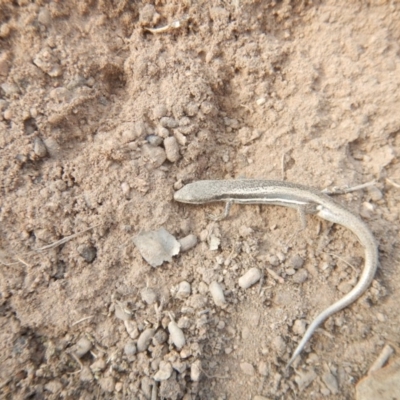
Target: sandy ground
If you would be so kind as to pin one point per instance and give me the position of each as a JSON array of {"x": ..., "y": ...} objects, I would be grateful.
[{"x": 102, "y": 119}]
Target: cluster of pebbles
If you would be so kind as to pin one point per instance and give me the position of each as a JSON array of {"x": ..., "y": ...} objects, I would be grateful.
[
  {"x": 167, "y": 338},
  {"x": 166, "y": 348}
]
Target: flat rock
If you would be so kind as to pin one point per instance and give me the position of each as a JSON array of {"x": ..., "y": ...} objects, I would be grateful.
[
  {"x": 157, "y": 246},
  {"x": 383, "y": 384}
]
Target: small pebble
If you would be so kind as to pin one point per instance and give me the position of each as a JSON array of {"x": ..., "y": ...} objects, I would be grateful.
[
  {"x": 8, "y": 114},
  {"x": 130, "y": 348},
  {"x": 300, "y": 276},
  {"x": 30, "y": 126},
  {"x": 86, "y": 374},
  {"x": 121, "y": 314},
  {"x": 207, "y": 107},
  {"x": 180, "y": 366},
  {"x": 131, "y": 329},
  {"x": 375, "y": 193},
  {"x": 76, "y": 82},
  {"x": 44, "y": 17},
  {"x": 154, "y": 140},
  {"x": 339, "y": 320},
  {"x": 147, "y": 14},
  {"x": 263, "y": 368},
  {"x": 4, "y": 64},
  {"x": 162, "y": 132},
  {"x": 53, "y": 386},
  {"x": 61, "y": 94},
  {"x": 325, "y": 391},
  {"x": 290, "y": 271},
  {"x": 146, "y": 385},
  {"x": 9, "y": 89},
  {"x": 247, "y": 368},
  {"x": 203, "y": 288},
  {"x": 296, "y": 262},
  {"x": 125, "y": 188},
  {"x": 145, "y": 339},
  {"x": 195, "y": 371},
  {"x": 246, "y": 332},
  {"x": 203, "y": 235},
  {"x": 171, "y": 149},
  {"x": 198, "y": 301},
  {"x": 184, "y": 290},
  {"x": 164, "y": 371},
  {"x": 176, "y": 335},
  {"x": 160, "y": 337},
  {"x": 345, "y": 287},
  {"x": 107, "y": 383},
  {"x": 273, "y": 260},
  {"x": 252, "y": 276},
  {"x": 82, "y": 347},
  {"x": 140, "y": 129},
  {"x": 217, "y": 294},
  {"x": 245, "y": 231},
  {"x": 299, "y": 327},
  {"x": 331, "y": 382},
  {"x": 48, "y": 62},
  {"x": 160, "y": 110},
  {"x": 188, "y": 242},
  {"x": 185, "y": 121},
  {"x": 181, "y": 139},
  {"x": 192, "y": 109},
  {"x": 185, "y": 353},
  {"x": 279, "y": 345},
  {"x": 312, "y": 358},
  {"x": 305, "y": 378},
  {"x": 148, "y": 295},
  {"x": 381, "y": 317},
  {"x": 184, "y": 322},
  {"x": 39, "y": 147},
  {"x": 99, "y": 365},
  {"x": 186, "y": 130},
  {"x": 87, "y": 252},
  {"x": 324, "y": 266},
  {"x": 3, "y": 105},
  {"x": 261, "y": 101},
  {"x": 214, "y": 243},
  {"x": 168, "y": 122},
  {"x": 156, "y": 155}
]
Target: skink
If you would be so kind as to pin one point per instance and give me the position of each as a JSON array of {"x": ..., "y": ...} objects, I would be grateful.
[{"x": 303, "y": 198}]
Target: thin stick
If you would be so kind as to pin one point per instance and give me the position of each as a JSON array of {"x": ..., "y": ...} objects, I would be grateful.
[
  {"x": 350, "y": 189},
  {"x": 261, "y": 282},
  {"x": 283, "y": 165},
  {"x": 8, "y": 264},
  {"x": 173, "y": 25},
  {"x": 81, "y": 320},
  {"x": 65, "y": 240},
  {"x": 23, "y": 262},
  {"x": 341, "y": 259},
  {"x": 76, "y": 358},
  {"x": 386, "y": 352},
  {"x": 275, "y": 275},
  {"x": 396, "y": 185}
]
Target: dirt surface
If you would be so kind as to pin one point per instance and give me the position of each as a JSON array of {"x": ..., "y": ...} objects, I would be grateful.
[{"x": 102, "y": 119}]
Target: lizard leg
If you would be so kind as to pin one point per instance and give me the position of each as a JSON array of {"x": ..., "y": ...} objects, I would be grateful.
[{"x": 222, "y": 216}]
